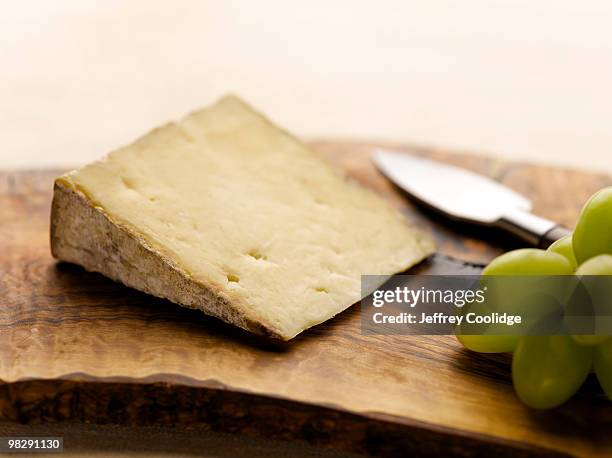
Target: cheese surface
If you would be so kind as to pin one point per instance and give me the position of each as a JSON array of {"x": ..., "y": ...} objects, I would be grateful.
[{"x": 249, "y": 212}]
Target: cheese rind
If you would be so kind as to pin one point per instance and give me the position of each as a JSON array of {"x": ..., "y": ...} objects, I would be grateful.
[{"x": 225, "y": 213}]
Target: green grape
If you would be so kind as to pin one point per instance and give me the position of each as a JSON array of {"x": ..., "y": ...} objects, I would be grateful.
[
  {"x": 529, "y": 261},
  {"x": 488, "y": 343},
  {"x": 548, "y": 370},
  {"x": 589, "y": 340},
  {"x": 524, "y": 262},
  {"x": 564, "y": 247},
  {"x": 495, "y": 338},
  {"x": 475, "y": 339},
  {"x": 520, "y": 296},
  {"x": 602, "y": 362},
  {"x": 593, "y": 233},
  {"x": 599, "y": 265}
]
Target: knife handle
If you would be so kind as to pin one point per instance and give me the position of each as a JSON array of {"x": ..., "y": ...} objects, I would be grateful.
[
  {"x": 553, "y": 235},
  {"x": 535, "y": 230}
]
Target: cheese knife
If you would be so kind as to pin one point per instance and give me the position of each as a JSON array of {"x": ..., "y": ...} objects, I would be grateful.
[{"x": 464, "y": 196}]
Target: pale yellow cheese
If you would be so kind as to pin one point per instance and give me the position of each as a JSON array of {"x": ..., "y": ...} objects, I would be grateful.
[{"x": 243, "y": 208}]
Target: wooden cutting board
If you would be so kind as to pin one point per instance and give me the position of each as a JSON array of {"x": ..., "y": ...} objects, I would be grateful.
[{"x": 74, "y": 345}]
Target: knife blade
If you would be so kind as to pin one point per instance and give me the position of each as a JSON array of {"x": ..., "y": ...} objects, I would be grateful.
[{"x": 468, "y": 197}]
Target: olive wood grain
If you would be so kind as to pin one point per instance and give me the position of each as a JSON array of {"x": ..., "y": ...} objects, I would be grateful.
[{"x": 74, "y": 345}]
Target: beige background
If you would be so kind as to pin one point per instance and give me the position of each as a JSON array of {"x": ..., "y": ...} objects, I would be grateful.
[{"x": 521, "y": 78}]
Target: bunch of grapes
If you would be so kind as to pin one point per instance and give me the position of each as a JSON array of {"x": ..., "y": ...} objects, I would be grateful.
[{"x": 548, "y": 369}]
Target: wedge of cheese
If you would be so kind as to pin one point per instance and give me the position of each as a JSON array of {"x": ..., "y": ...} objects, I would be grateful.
[{"x": 228, "y": 214}]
